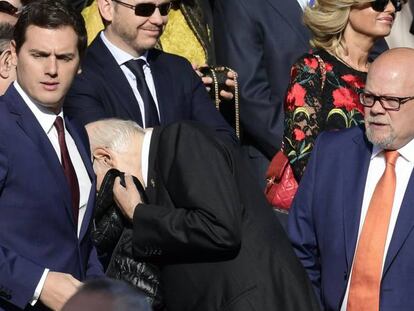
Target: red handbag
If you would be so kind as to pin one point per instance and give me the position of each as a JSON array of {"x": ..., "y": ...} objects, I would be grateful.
[{"x": 281, "y": 183}]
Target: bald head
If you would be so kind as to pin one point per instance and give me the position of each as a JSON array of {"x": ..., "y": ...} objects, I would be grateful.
[
  {"x": 393, "y": 72},
  {"x": 391, "y": 80}
]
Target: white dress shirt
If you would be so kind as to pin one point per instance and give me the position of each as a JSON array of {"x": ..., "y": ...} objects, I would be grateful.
[
  {"x": 403, "y": 170},
  {"x": 121, "y": 57},
  {"x": 303, "y": 3},
  {"x": 46, "y": 120},
  {"x": 145, "y": 155}
]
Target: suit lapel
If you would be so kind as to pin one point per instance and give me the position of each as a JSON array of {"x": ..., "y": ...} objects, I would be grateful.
[
  {"x": 106, "y": 64},
  {"x": 404, "y": 225},
  {"x": 353, "y": 191},
  {"x": 85, "y": 155},
  {"x": 163, "y": 86},
  {"x": 88, "y": 165},
  {"x": 292, "y": 13},
  {"x": 31, "y": 127}
]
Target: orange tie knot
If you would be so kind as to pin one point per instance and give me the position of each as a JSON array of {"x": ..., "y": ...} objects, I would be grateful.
[{"x": 391, "y": 156}]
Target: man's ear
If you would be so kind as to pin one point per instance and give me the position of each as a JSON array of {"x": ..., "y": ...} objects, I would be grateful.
[
  {"x": 104, "y": 157},
  {"x": 6, "y": 63},
  {"x": 106, "y": 9}
]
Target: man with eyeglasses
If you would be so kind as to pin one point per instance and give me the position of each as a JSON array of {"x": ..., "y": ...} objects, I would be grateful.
[
  {"x": 352, "y": 220},
  {"x": 124, "y": 76}
]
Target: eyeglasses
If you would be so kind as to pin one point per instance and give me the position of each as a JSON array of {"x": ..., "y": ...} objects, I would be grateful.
[
  {"x": 6, "y": 7},
  {"x": 380, "y": 5},
  {"x": 387, "y": 102},
  {"x": 147, "y": 9}
]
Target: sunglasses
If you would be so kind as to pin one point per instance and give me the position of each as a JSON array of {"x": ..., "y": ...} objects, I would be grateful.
[
  {"x": 380, "y": 5},
  {"x": 147, "y": 9},
  {"x": 6, "y": 7}
]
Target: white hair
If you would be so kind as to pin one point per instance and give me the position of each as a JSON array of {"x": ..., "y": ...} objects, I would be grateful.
[{"x": 114, "y": 134}]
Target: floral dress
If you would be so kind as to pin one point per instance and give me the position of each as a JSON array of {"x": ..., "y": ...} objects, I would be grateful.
[{"x": 318, "y": 102}]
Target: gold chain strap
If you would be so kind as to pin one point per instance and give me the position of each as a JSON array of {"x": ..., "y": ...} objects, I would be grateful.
[{"x": 217, "y": 99}]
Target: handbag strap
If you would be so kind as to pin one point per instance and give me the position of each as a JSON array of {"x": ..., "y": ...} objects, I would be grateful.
[
  {"x": 277, "y": 166},
  {"x": 323, "y": 69}
]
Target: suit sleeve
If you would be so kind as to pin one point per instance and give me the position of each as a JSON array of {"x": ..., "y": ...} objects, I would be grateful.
[
  {"x": 19, "y": 276},
  {"x": 198, "y": 213},
  {"x": 239, "y": 42},
  {"x": 301, "y": 223},
  {"x": 302, "y": 104},
  {"x": 94, "y": 268}
]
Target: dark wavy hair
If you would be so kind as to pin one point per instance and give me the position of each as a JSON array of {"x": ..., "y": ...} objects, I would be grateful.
[{"x": 50, "y": 14}]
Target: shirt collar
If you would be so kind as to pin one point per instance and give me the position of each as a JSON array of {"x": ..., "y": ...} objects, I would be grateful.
[
  {"x": 145, "y": 155},
  {"x": 121, "y": 57},
  {"x": 44, "y": 116},
  {"x": 406, "y": 151}
]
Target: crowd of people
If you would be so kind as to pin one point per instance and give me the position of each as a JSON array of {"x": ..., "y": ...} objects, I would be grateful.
[{"x": 123, "y": 187}]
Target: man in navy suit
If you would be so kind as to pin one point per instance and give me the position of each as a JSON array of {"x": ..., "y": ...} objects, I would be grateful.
[
  {"x": 260, "y": 40},
  {"x": 46, "y": 179},
  {"x": 108, "y": 85},
  {"x": 331, "y": 214}
]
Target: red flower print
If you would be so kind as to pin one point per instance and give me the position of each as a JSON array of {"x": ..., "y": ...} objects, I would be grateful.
[
  {"x": 346, "y": 98},
  {"x": 293, "y": 73},
  {"x": 328, "y": 67},
  {"x": 299, "y": 134},
  {"x": 353, "y": 81},
  {"x": 295, "y": 97},
  {"x": 312, "y": 63}
]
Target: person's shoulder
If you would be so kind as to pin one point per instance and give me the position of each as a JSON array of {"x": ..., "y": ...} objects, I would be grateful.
[
  {"x": 341, "y": 139},
  {"x": 168, "y": 59},
  {"x": 196, "y": 133}
]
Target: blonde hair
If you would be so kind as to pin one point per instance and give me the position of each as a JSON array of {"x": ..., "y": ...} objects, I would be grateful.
[
  {"x": 327, "y": 20},
  {"x": 114, "y": 134}
]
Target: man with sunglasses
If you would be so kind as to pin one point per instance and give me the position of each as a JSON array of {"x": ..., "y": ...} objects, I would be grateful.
[
  {"x": 124, "y": 76},
  {"x": 9, "y": 11},
  {"x": 352, "y": 220}
]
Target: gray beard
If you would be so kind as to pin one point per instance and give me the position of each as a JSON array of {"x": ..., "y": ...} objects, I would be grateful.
[{"x": 384, "y": 143}]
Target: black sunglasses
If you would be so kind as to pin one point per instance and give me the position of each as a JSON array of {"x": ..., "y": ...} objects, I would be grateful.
[
  {"x": 6, "y": 7},
  {"x": 380, "y": 5},
  {"x": 147, "y": 9}
]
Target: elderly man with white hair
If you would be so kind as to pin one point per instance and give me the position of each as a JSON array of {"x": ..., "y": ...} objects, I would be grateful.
[{"x": 204, "y": 222}]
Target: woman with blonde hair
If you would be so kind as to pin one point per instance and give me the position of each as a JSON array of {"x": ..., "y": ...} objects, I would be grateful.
[{"x": 325, "y": 84}]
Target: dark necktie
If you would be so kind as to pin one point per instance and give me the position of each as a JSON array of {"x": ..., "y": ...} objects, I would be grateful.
[
  {"x": 151, "y": 114},
  {"x": 364, "y": 290},
  {"x": 68, "y": 168}
]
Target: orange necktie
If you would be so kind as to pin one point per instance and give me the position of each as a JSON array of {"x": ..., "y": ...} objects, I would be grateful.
[{"x": 364, "y": 290}]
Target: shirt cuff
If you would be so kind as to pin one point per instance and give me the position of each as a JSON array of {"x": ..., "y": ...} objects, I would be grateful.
[{"x": 39, "y": 288}]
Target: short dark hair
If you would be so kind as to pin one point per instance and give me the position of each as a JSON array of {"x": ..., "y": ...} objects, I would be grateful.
[
  {"x": 50, "y": 14},
  {"x": 120, "y": 295},
  {"x": 6, "y": 35}
]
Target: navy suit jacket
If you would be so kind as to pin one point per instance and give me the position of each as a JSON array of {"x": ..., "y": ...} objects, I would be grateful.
[
  {"x": 37, "y": 230},
  {"x": 324, "y": 222},
  {"x": 261, "y": 40},
  {"x": 102, "y": 91}
]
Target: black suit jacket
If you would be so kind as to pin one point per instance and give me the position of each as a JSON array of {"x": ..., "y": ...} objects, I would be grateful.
[
  {"x": 210, "y": 228},
  {"x": 261, "y": 40},
  {"x": 102, "y": 91}
]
